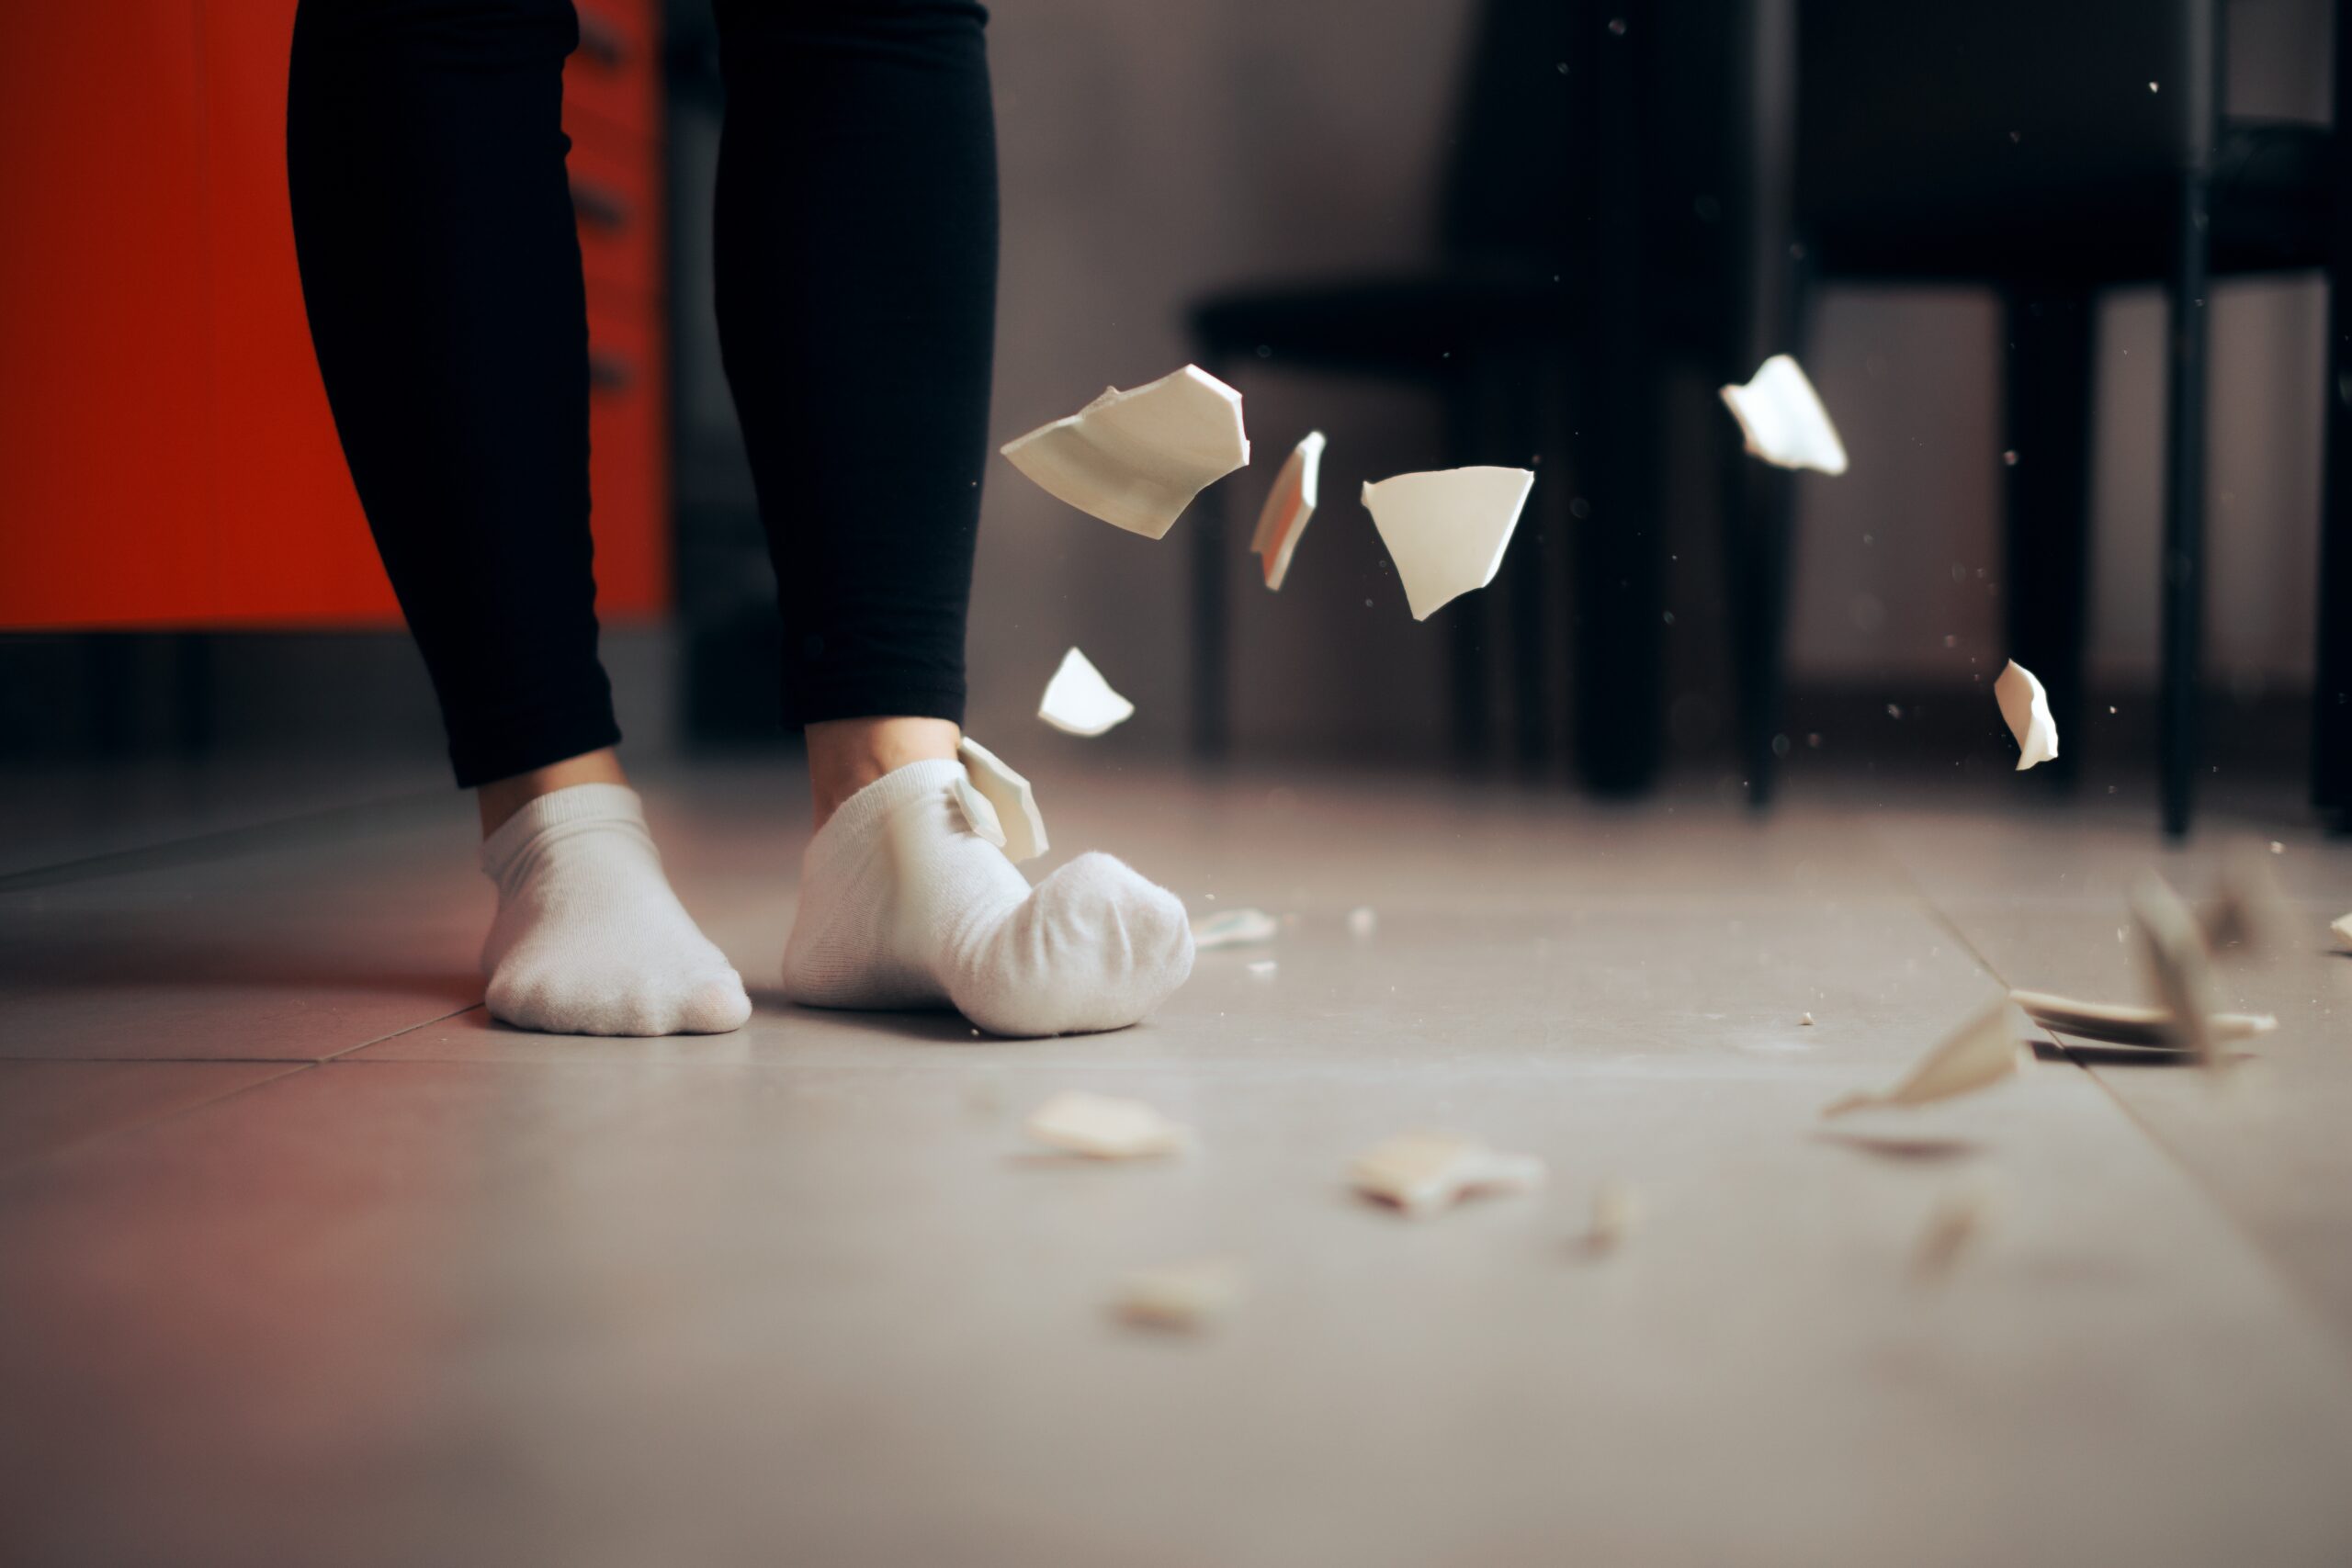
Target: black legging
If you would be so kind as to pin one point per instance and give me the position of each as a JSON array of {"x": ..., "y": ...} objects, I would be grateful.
[{"x": 857, "y": 237}]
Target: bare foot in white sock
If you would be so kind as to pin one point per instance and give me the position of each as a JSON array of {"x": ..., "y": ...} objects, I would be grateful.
[
  {"x": 902, "y": 906},
  {"x": 589, "y": 938}
]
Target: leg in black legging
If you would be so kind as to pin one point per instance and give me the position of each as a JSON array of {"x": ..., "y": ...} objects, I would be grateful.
[
  {"x": 441, "y": 268},
  {"x": 425, "y": 154},
  {"x": 856, "y": 232}
]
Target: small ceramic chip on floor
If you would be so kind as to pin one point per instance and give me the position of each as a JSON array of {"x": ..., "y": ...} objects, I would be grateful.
[
  {"x": 2025, "y": 708},
  {"x": 1183, "y": 1298},
  {"x": 1616, "y": 1212},
  {"x": 1447, "y": 530},
  {"x": 2342, "y": 927},
  {"x": 1234, "y": 928},
  {"x": 1420, "y": 1173},
  {"x": 1289, "y": 507},
  {"x": 1103, "y": 1126},
  {"x": 1020, "y": 830},
  {"x": 1782, "y": 419},
  {"x": 2121, "y": 1023},
  {"x": 1263, "y": 968},
  {"x": 1079, "y": 701},
  {"x": 1981, "y": 1052},
  {"x": 1136, "y": 458}
]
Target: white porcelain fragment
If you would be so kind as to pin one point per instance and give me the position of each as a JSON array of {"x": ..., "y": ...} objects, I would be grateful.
[
  {"x": 1781, "y": 417},
  {"x": 2026, "y": 706},
  {"x": 978, "y": 815},
  {"x": 1446, "y": 530},
  {"x": 1023, "y": 829},
  {"x": 1422, "y": 1172},
  {"x": 2342, "y": 927},
  {"x": 1077, "y": 701},
  {"x": 1103, "y": 1126},
  {"x": 2120, "y": 1023},
  {"x": 1981, "y": 1052},
  {"x": 1234, "y": 928},
  {"x": 1183, "y": 1297},
  {"x": 2180, "y": 969},
  {"x": 1288, "y": 507},
  {"x": 1135, "y": 459},
  {"x": 1616, "y": 1212}
]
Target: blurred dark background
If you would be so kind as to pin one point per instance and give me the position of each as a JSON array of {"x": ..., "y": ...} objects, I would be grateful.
[{"x": 1156, "y": 157}]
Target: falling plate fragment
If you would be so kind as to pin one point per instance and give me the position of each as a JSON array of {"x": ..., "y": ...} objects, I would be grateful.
[
  {"x": 1182, "y": 1298},
  {"x": 1422, "y": 1172},
  {"x": 1234, "y": 928},
  {"x": 1102, "y": 1126},
  {"x": 1981, "y": 1052},
  {"x": 1447, "y": 530},
  {"x": 1288, "y": 507},
  {"x": 978, "y": 813},
  {"x": 1781, "y": 416},
  {"x": 1021, "y": 831},
  {"x": 2119, "y": 1023},
  {"x": 1616, "y": 1211},
  {"x": 1135, "y": 459},
  {"x": 2173, "y": 946},
  {"x": 1077, "y": 701},
  {"x": 1955, "y": 1223},
  {"x": 2026, "y": 706}
]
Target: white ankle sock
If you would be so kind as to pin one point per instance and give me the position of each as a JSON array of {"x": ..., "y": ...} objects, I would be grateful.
[
  {"x": 589, "y": 938},
  {"x": 902, "y": 906}
]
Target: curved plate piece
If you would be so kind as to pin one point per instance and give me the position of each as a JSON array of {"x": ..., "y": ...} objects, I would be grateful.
[
  {"x": 1077, "y": 701},
  {"x": 1980, "y": 1053},
  {"x": 1102, "y": 1126},
  {"x": 1016, "y": 804},
  {"x": 1135, "y": 459},
  {"x": 1782, "y": 419},
  {"x": 2120, "y": 1023},
  {"x": 2026, "y": 708},
  {"x": 1289, "y": 505},
  {"x": 1447, "y": 529}
]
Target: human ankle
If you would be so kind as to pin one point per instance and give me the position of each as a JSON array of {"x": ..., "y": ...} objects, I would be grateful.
[
  {"x": 847, "y": 754},
  {"x": 502, "y": 799}
]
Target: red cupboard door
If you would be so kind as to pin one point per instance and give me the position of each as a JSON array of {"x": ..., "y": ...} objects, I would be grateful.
[
  {"x": 105, "y": 441},
  {"x": 294, "y": 544}
]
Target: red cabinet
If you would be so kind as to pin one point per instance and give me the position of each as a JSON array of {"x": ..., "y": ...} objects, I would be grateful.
[{"x": 166, "y": 455}]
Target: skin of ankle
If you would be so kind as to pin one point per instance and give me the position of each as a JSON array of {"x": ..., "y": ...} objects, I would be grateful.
[
  {"x": 501, "y": 798},
  {"x": 847, "y": 754}
]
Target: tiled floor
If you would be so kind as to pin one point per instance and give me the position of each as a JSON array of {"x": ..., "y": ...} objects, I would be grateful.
[{"x": 302, "y": 1261}]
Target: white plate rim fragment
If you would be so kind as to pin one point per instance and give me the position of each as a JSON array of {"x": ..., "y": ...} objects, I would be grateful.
[
  {"x": 1079, "y": 701},
  {"x": 1782, "y": 419},
  {"x": 1280, "y": 523},
  {"x": 1135, "y": 459},
  {"x": 1447, "y": 529}
]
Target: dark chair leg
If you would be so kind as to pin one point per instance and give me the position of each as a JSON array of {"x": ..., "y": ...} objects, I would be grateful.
[
  {"x": 2184, "y": 546},
  {"x": 2048, "y": 392},
  {"x": 1759, "y": 532},
  {"x": 1205, "y": 521},
  {"x": 2332, "y": 678}
]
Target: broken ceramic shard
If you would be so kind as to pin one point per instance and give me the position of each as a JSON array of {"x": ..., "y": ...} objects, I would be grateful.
[
  {"x": 1422, "y": 1172},
  {"x": 1234, "y": 928},
  {"x": 1135, "y": 459},
  {"x": 1102, "y": 1126},
  {"x": 1022, "y": 829},
  {"x": 1288, "y": 507},
  {"x": 2119, "y": 1023},
  {"x": 2026, "y": 706},
  {"x": 1182, "y": 1298},
  {"x": 1447, "y": 530},
  {"x": 1616, "y": 1211},
  {"x": 1077, "y": 701},
  {"x": 978, "y": 813},
  {"x": 2342, "y": 927},
  {"x": 1978, "y": 1055},
  {"x": 2173, "y": 946},
  {"x": 1782, "y": 419},
  {"x": 1952, "y": 1226}
]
